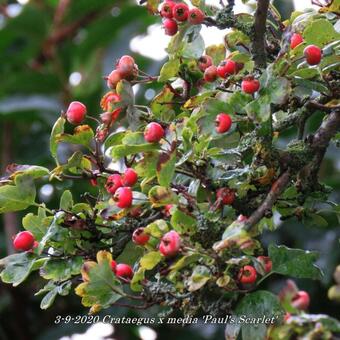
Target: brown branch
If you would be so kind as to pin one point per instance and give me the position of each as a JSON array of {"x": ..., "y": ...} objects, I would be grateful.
[
  {"x": 318, "y": 145},
  {"x": 320, "y": 142},
  {"x": 274, "y": 193},
  {"x": 259, "y": 43}
]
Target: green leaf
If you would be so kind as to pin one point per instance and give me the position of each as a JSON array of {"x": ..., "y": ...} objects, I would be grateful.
[
  {"x": 259, "y": 109},
  {"x": 138, "y": 277},
  {"x": 183, "y": 223},
  {"x": 194, "y": 49},
  {"x": 82, "y": 135},
  {"x": 114, "y": 139},
  {"x": 31, "y": 170},
  {"x": 157, "y": 228},
  {"x": 199, "y": 277},
  {"x": 294, "y": 262},
  {"x": 257, "y": 305},
  {"x": 124, "y": 89},
  {"x": 160, "y": 106},
  {"x": 60, "y": 270},
  {"x": 150, "y": 260},
  {"x": 66, "y": 201},
  {"x": 52, "y": 291},
  {"x": 169, "y": 70},
  {"x": 37, "y": 224},
  {"x": 58, "y": 128},
  {"x": 133, "y": 142},
  {"x": 166, "y": 168},
  {"x": 216, "y": 52},
  {"x": 17, "y": 267},
  {"x": 120, "y": 151},
  {"x": 185, "y": 261},
  {"x": 320, "y": 32},
  {"x": 103, "y": 288},
  {"x": 160, "y": 196},
  {"x": 18, "y": 196}
]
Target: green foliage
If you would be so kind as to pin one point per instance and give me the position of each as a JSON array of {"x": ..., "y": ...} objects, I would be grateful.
[{"x": 179, "y": 177}]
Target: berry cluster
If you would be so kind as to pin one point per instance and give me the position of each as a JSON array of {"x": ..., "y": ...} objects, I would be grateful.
[
  {"x": 312, "y": 53},
  {"x": 175, "y": 13},
  {"x": 120, "y": 186}
]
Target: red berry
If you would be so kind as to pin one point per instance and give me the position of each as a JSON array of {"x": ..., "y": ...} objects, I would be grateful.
[
  {"x": 266, "y": 263},
  {"x": 180, "y": 12},
  {"x": 166, "y": 9},
  {"x": 113, "y": 265},
  {"x": 167, "y": 209},
  {"x": 312, "y": 54},
  {"x": 23, "y": 241},
  {"x": 210, "y": 74},
  {"x": 242, "y": 218},
  {"x": 93, "y": 182},
  {"x": 223, "y": 123},
  {"x": 76, "y": 113},
  {"x": 204, "y": 62},
  {"x": 153, "y": 132},
  {"x": 170, "y": 244},
  {"x": 250, "y": 85},
  {"x": 226, "y": 68},
  {"x": 113, "y": 183},
  {"x": 127, "y": 67},
  {"x": 113, "y": 79},
  {"x": 124, "y": 270},
  {"x": 139, "y": 237},
  {"x": 170, "y": 27},
  {"x": 129, "y": 178},
  {"x": 301, "y": 300},
  {"x": 123, "y": 197},
  {"x": 247, "y": 274},
  {"x": 196, "y": 16},
  {"x": 226, "y": 196},
  {"x": 295, "y": 40}
]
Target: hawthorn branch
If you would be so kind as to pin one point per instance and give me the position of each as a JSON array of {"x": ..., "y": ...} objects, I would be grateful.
[
  {"x": 274, "y": 193},
  {"x": 318, "y": 145},
  {"x": 259, "y": 43},
  {"x": 321, "y": 140}
]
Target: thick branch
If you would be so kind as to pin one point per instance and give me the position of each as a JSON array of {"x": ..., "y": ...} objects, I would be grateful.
[
  {"x": 259, "y": 43},
  {"x": 274, "y": 193},
  {"x": 319, "y": 146},
  {"x": 321, "y": 141}
]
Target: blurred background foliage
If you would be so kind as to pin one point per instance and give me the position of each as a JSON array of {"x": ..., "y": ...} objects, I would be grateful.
[{"x": 55, "y": 51}]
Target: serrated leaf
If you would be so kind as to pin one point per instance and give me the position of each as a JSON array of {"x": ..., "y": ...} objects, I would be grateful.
[
  {"x": 169, "y": 70},
  {"x": 166, "y": 167},
  {"x": 82, "y": 135},
  {"x": 183, "y": 223},
  {"x": 103, "y": 288},
  {"x": 37, "y": 224},
  {"x": 199, "y": 277},
  {"x": 157, "y": 228},
  {"x": 66, "y": 201},
  {"x": 294, "y": 262},
  {"x": 17, "y": 267},
  {"x": 31, "y": 170},
  {"x": 257, "y": 305},
  {"x": 60, "y": 270},
  {"x": 18, "y": 196},
  {"x": 138, "y": 277},
  {"x": 160, "y": 196}
]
